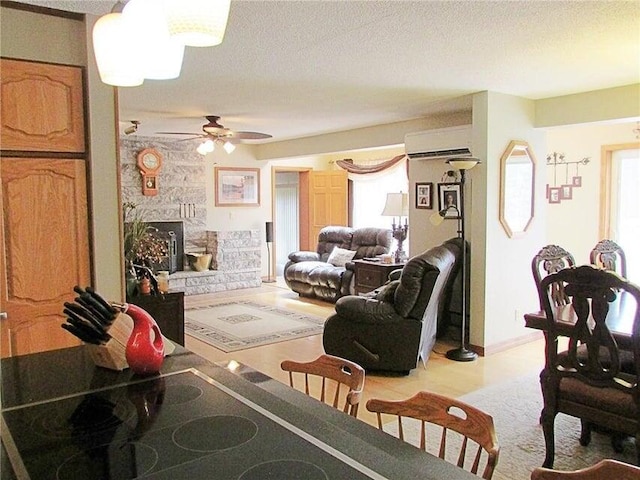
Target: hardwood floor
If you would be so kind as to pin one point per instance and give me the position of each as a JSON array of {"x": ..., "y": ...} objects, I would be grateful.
[{"x": 440, "y": 375}]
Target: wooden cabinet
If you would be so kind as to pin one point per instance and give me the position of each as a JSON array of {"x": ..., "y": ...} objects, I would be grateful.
[
  {"x": 45, "y": 244},
  {"x": 167, "y": 310},
  {"x": 44, "y": 232},
  {"x": 371, "y": 275},
  {"x": 42, "y": 107}
]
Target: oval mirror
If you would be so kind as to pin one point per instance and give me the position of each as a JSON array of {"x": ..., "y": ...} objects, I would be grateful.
[{"x": 517, "y": 171}]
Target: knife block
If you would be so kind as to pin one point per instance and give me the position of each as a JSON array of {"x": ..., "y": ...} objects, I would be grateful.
[{"x": 111, "y": 355}]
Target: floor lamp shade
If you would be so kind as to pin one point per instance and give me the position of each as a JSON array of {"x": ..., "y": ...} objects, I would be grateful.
[{"x": 269, "y": 231}]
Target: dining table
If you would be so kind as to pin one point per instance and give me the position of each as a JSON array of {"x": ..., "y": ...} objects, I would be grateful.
[
  {"x": 63, "y": 417},
  {"x": 619, "y": 319}
]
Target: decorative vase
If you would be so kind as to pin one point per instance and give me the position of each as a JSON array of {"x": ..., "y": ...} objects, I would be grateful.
[
  {"x": 145, "y": 348},
  {"x": 199, "y": 261}
]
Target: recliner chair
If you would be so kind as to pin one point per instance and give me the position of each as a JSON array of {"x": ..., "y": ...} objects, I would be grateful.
[{"x": 394, "y": 328}]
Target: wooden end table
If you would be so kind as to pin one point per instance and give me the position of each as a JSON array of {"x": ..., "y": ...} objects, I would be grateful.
[{"x": 370, "y": 275}]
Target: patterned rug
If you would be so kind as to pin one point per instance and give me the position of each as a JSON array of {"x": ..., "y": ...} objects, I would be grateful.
[
  {"x": 237, "y": 325},
  {"x": 515, "y": 407}
]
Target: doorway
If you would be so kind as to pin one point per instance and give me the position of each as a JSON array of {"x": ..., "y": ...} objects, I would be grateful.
[
  {"x": 286, "y": 217},
  {"x": 620, "y": 217}
]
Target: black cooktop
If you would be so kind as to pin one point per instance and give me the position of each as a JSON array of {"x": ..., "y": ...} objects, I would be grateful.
[{"x": 182, "y": 425}]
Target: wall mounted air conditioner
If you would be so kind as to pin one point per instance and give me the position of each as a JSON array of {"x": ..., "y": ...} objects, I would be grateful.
[{"x": 439, "y": 143}]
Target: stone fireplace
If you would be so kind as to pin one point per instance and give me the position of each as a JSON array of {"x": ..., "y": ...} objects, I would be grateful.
[{"x": 179, "y": 212}]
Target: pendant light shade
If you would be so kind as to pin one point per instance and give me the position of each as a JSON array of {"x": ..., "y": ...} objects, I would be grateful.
[
  {"x": 118, "y": 62},
  {"x": 198, "y": 23},
  {"x": 160, "y": 56}
]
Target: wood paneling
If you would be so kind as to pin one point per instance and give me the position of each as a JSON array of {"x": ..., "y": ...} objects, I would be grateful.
[
  {"x": 42, "y": 107},
  {"x": 46, "y": 250}
]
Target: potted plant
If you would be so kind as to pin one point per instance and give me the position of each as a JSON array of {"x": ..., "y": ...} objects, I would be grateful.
[{"x": 141, "y": 248}]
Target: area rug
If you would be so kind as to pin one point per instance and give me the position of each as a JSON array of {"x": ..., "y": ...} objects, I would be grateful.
[
  {"x": 515, "y": 407},
  {"x": 237, "y": 325}
]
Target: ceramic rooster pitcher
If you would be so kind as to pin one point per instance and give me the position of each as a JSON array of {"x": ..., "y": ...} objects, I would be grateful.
[{"x": 145, "y": 348}]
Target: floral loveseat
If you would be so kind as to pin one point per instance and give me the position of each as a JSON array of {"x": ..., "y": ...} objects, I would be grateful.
[{"x": 327, "y": 273}]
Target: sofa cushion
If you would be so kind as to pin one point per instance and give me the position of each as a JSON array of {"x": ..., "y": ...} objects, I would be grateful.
[
  {"x": 370, "y": 242},
  {"x": 339, "y": 256},
  {"x": 331, "y": 237}
]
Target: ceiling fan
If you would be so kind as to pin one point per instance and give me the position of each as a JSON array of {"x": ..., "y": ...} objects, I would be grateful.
[{"x": 216, "y": 131}]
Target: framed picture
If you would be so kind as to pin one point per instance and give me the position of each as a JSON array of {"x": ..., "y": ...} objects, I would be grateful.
[
  {"x": 237, "y": 187},
  {"x": 424, "y": 195},
  {"x": 566, "y": 192},
  {"x": 449, "y": 199},
  {"x": 554, "y": 195},
  {"x": 577, "y": 181}
]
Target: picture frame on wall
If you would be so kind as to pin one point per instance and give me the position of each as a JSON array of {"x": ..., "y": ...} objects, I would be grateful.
[
  {"x": 449, "y": 199},
  {"x": 424, "y": 195},
  {"x": 237, "y": 187},
  {"x": 554, "y": 195},
  {"x": 566, "y": 192},
  {"x": 577, "y": 181}
]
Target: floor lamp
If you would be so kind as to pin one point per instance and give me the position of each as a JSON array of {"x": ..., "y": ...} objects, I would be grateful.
[
  {"x": 460, "y": 354},
  {"x": 269, "y": 239}
]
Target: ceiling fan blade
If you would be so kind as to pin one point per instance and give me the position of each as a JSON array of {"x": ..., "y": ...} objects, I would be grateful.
[
  {"x": 181, "y": 133},
  {"x": 250, "y": 135}
]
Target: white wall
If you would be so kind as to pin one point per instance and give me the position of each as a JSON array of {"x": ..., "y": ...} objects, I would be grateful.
[
  {"x": 574, "y": 224},
  {"x": 501, "y": 283}
]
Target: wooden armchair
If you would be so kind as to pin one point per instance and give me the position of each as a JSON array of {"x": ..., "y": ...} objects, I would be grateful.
[
  {"x": 548, "y": 260},
  {"x": 609, "y": 255},
  {"x": 605, "y": 469},
  {"x": 580, "y": 382},
  {"x": 340, "y": 372},
  {"x": 473, "y": 424}
]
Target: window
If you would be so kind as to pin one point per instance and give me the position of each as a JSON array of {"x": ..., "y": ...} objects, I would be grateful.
[
  {"x": 620, "y": 214},
  {"x": 370, "y": 194}
]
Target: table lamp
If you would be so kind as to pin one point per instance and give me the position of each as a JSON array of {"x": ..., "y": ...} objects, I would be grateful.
[{"x": 397, "y": 205}]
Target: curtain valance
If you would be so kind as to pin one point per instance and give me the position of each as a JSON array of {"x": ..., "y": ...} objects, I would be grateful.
[{"x": 348, "y": 165}]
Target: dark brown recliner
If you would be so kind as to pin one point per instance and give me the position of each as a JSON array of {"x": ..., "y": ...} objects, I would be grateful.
[
  {"x": 393, "y": 329},
  {"x": 310, "y": 275}
]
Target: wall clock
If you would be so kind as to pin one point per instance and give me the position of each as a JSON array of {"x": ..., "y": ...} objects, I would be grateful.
[{"x": 149, "y": 163}]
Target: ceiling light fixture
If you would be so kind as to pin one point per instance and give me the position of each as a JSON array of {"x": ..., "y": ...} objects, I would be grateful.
[
  {"x": 160, "y": 56},
  {"x": 145, "y": 39},
  {"x": 229, "y": 147},
  {"x": 205, "y": 147},
  {"x": 118, "y": 62},
  {"x": 209, "y": 146},
  {"x": 133, "y": 128},
  {"x": 198, "y": 23}
]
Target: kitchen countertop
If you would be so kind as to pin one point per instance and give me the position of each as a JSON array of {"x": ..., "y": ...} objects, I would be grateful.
[{"x": 63, "y": 417}]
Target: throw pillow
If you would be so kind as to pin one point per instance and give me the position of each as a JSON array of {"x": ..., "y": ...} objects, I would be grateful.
[{"x": 340, "y": 256}]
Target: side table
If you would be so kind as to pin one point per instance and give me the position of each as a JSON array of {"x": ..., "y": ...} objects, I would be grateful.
[{"x": 370, "y": 275}]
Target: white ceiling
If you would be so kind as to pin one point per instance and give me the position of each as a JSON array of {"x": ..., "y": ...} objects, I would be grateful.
[{"x": 301, "y": 68}]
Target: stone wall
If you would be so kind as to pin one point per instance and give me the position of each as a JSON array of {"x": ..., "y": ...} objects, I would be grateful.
[{"x": 182, "y": 196}]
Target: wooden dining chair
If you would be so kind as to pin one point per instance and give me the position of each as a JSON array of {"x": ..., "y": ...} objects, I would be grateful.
[
  {"x": 331, "y": 379},
  {"x": 606, "y": 469},
  {"x": 609, "y": 255},
  {"x": 474, "y": 429},
  {"x": 588, "y": 381},
  {"x": 551, "y": 259}
]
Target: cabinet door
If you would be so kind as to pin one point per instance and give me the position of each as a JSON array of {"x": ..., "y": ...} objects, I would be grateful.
[
  {"x": 45, "y": 246},
  {"x": 42, "y": 107}
]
